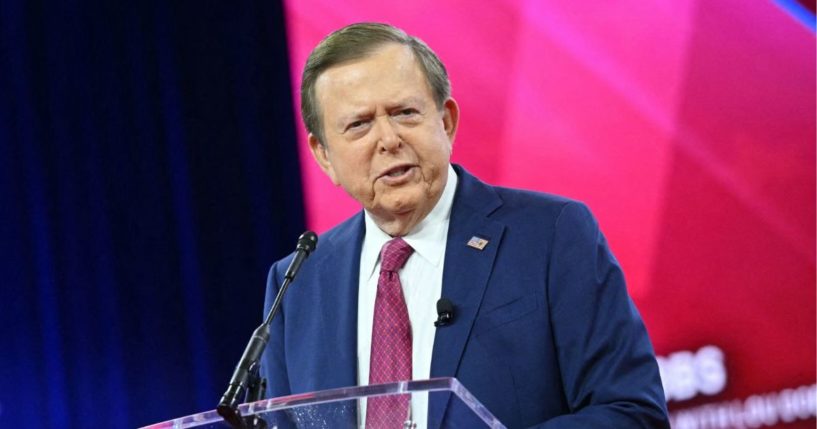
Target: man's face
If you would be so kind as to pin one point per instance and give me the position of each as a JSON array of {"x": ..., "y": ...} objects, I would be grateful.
[{"x": 386, "y": 143}]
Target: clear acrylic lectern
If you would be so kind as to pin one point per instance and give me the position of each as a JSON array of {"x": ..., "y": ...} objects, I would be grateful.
[{"x": 454, "y": 407}]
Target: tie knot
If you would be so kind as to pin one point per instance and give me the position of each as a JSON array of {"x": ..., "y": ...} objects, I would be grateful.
[{"x": 394, "y": 255}]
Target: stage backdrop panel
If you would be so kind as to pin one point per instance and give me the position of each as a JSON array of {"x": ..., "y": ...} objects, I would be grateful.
[{"x": 687, "y": 126}]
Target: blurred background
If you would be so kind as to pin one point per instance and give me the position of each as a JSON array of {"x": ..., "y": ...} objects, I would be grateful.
[{"x": 153, "y": 166}]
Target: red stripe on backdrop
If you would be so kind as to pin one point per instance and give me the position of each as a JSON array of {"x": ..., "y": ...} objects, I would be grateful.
[{"x": 687, "y": 126}]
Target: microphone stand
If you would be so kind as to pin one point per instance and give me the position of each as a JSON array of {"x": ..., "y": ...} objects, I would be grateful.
[{"x": 246, "y": 380}]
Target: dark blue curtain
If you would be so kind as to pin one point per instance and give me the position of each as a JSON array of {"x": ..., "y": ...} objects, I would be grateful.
[{"x": 148, "y": 177}]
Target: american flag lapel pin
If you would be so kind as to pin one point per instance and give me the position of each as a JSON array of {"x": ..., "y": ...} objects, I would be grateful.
[{"x": 478, "y": 243}]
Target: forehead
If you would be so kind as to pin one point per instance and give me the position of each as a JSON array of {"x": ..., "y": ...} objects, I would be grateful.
[{"x": 389, "y": 73}]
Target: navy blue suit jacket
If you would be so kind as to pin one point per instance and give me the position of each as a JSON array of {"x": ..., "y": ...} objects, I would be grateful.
[{"x": 544, "y": 331}]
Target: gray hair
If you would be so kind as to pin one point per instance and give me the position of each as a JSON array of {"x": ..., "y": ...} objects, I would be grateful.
[{"x": 355, "y": 42}]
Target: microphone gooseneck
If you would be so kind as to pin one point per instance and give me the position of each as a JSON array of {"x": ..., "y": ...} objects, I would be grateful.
[{"x": 246, "y": 375}]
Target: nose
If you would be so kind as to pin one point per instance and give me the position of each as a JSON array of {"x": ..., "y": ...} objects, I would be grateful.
[{"x": 388, "y": 137}]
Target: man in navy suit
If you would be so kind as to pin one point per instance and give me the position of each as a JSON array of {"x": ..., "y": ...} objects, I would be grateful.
[{"x": 544, "y": 333}]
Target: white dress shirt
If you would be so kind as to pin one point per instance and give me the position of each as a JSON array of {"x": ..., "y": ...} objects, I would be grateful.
[{"x": 422, "y": 280}]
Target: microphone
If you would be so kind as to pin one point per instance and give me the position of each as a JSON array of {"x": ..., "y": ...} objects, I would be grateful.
[
  {"x": 306, "y": 244},
  {"x": 445, "y": 312},
  {"x": 245, "y": 375}
]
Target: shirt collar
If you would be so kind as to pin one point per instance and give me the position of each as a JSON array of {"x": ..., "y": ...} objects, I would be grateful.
[{"x": 425, "y": 238}]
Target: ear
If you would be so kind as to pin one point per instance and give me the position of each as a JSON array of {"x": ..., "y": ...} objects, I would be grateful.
[
  {"x": 451, "y": 118},
  {"x": 321, "y": 155}
]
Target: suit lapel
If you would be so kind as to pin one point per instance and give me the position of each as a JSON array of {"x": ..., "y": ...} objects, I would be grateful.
[
  {"x": 339, "y": 272},
  {"x": 466, "y": 274}
]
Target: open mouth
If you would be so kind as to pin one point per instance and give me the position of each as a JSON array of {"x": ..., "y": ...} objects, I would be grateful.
[
  {"x": 397, "y": 174},
  {"x": 398, "y": 171}
]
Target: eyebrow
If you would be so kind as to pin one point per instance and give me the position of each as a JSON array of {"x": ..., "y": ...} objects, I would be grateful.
[
  {"x": 352, "y": 117},
  {"x": 413, "y": 100},
  {"x": 365, "y": 112}
]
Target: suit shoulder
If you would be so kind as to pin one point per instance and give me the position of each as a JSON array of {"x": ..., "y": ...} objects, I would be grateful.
[
  {"x": 540, "y": 203},
  {"x": 538, "y": 217}
]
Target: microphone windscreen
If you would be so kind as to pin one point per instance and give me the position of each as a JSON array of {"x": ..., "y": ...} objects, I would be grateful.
[
  {"x": 307, "y": 241},
  {"x": 445, "y": 306}
]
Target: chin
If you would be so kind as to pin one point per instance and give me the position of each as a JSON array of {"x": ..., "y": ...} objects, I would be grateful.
[{"x": 403, "y": 206}]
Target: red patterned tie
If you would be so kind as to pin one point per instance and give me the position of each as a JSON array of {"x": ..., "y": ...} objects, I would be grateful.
[{"x": 391, "y": 339}]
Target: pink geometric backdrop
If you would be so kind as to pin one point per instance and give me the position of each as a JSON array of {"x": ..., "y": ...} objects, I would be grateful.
[{"x": 687, "y": 126}]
